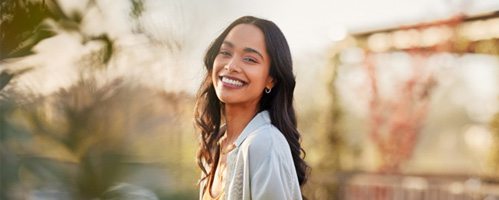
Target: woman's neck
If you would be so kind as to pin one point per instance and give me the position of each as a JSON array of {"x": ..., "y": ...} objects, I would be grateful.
[{"x": 236, "y": 119}]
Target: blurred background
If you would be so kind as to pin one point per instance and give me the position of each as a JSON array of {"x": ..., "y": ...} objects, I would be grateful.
[{"x": 395, "y": 99}]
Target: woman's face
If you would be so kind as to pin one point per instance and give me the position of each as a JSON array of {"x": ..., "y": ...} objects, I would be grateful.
[{"x": 241, "y": 68}]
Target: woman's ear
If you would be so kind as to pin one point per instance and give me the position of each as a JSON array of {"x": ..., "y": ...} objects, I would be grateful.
[{"x": 270, "y": 82}]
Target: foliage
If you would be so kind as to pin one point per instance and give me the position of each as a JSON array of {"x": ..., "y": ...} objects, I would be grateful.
[
  {"x": 21, "y": 27},
  {"x": 25, "y": 23},
  {"x": 98, "y": 139},
  {"x": 85, "y": 141},
  {"x": 395, "y": 124}
]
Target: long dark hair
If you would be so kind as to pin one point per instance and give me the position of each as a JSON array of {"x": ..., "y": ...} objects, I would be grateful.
[{"x": 279, "y": 103}]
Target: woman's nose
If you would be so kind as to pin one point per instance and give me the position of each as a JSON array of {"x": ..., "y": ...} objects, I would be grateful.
[{"x": 232, "y": 65}]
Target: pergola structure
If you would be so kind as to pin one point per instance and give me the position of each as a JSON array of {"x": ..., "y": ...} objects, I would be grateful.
[
  {"x": 395, "y": 132},
  {"x": 459, "y": 34}
]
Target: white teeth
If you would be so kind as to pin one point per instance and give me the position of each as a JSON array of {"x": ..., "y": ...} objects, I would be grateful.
[{"x": 232, "y": 81}]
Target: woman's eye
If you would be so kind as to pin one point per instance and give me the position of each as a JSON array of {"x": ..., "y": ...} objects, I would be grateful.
[
  {"x": 225, "y": 53},
  {"x": 250, "y": 60}
]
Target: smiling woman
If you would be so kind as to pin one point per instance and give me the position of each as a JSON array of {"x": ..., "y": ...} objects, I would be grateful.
[
  {"x": 250, "y": 147},
  {"x": 240, "y": 71}
]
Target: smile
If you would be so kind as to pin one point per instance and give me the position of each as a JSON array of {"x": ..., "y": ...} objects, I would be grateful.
[{"x": 232, "y": 82}]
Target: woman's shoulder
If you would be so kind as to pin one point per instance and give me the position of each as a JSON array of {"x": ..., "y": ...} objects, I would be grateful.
[
  {"x": 268, "y": 148},
  {"x": 266, "y": 140}
]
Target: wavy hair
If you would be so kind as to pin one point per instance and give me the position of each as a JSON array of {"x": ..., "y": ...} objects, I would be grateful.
[{"x": 279, "y": 103}]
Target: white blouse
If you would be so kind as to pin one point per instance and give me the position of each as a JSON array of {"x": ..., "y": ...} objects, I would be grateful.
[{"x": 261, "y": 166}]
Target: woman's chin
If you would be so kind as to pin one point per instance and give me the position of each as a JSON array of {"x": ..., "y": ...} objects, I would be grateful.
[{"x": 229, "y": 100}]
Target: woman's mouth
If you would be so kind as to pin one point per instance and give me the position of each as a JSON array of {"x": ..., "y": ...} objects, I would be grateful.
[{"x": 231, "y": 82}]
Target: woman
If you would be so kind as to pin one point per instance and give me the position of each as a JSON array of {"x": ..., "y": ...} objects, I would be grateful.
[{"x": 250, "y": 147}]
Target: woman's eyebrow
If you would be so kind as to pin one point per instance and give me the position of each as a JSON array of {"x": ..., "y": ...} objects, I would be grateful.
[
  {"x": 250, "y": 50},
  {"x": 228, "y": 44},
  {"x": 247, "y": 49}
]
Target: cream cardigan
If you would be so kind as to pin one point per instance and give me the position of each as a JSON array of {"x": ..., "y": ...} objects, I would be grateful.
[{"x": 261, "y": 166}]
